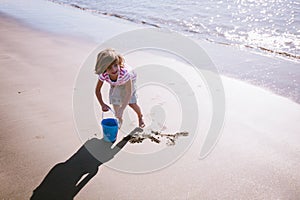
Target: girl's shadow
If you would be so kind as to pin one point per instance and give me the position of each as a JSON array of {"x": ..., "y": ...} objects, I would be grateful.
[{"x": 66, "y": 179}]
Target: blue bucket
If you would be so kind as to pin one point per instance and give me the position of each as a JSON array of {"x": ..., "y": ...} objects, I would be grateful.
[{"x": 110, "y": 129}]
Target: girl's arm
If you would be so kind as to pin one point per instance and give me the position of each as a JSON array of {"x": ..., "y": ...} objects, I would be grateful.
[
  {"x": 99, "y": 96},
  {"x": 128, "y": 91}
]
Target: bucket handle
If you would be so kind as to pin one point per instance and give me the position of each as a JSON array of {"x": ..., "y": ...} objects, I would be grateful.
[
  {"x": 110, "y": 110},
  {"x": 118, "y": 121}
]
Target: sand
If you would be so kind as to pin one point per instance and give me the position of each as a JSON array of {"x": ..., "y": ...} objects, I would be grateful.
[
  {"x": 256, "y": 157},
  {"x": 35, "y": 128}
]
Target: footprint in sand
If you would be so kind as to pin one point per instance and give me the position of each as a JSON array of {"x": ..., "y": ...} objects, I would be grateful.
[{"x": 158, "y": 118}]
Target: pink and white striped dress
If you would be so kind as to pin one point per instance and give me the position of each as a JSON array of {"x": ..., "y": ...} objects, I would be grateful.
[{"x": 123, "y": 77}]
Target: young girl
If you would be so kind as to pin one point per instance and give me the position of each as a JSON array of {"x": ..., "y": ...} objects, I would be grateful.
[{"x": 110, "y": 67}]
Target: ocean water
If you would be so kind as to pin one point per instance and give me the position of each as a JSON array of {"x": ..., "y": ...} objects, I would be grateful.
[
  {"x": 268, "y": 26},
  {"x": 267, "y": 69}
]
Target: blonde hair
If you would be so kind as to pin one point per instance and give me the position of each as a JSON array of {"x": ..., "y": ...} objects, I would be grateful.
[
  {"x": 106, "y": 58},
  {"x": 120, "y": 60}
]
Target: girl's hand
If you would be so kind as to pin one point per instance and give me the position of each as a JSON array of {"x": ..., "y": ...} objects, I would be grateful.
[{"x": 105, "y": 108}]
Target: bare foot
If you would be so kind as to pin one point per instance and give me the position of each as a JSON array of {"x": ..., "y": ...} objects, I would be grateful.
[{"x": 141, "y": 123}]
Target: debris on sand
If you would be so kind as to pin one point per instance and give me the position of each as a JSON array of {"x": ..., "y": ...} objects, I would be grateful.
[
  {"x": 156, "y": 136},
  {"x": 136, "y": 139}
]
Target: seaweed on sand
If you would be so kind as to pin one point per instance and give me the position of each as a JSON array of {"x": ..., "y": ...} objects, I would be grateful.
[{"x": 156, "y": 136}]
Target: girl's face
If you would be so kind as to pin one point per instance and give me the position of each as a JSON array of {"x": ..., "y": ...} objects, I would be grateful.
[{"x": 113, "y": 70}]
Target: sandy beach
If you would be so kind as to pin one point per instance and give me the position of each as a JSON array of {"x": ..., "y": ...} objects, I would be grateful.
[{"x": 256, "y": 157}]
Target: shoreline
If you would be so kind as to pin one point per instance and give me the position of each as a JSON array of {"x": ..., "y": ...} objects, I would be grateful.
[
  {"x": 272, "y": 73},
  {"x": 259, "y": 50},
  {"x": 257, "y": 156}
]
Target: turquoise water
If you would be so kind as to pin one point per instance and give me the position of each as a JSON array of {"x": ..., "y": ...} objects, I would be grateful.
[{"x": 270, "y": 26}]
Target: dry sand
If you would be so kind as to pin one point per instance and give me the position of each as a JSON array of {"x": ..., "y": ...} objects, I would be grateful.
[{"x": 257, "y": 157}]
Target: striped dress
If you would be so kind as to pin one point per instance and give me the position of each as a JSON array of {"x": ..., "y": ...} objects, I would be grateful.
[
  {"x": 117, "y": 90},
  {"x": 123, "y": 77}
]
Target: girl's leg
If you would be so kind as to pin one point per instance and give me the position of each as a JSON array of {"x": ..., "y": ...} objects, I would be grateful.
[
  {"x": 138, "y": 111},
  {"x": 116, "y": 108}
]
